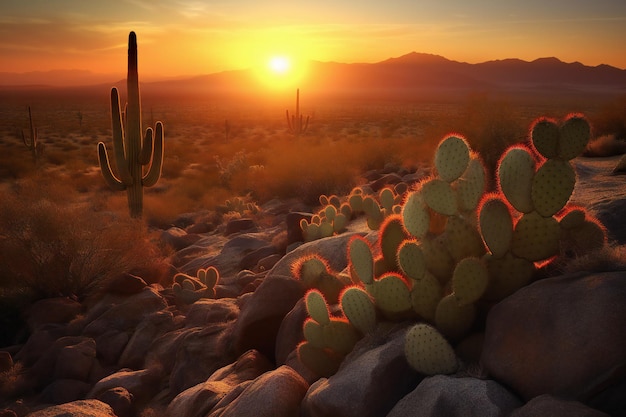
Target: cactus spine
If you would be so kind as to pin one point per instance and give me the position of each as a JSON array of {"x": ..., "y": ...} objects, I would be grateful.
[
  {"x": 296, "y": 123},
  {"x": 130, "y": 154}
]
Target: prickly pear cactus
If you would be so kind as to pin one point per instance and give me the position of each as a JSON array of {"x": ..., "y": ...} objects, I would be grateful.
[{"x": 451, "y": 250}]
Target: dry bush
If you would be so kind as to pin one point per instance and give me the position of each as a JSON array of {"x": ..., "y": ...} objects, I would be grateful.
[
  {"x": 611, "y": 119},
  {"x": 51, "y": 246},
  {"x": 604, "y": 146},
  {"x": 491, "y": 125}
]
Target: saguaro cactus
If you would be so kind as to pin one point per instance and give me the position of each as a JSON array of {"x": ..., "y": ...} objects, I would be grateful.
[
  {"x": 32, "y": 143},
  {"x": 130, "y": 154},
  {"x": 296, "y": 123}
]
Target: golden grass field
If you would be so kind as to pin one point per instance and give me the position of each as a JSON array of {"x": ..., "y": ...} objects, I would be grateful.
[{"x": 207, "y": 163}]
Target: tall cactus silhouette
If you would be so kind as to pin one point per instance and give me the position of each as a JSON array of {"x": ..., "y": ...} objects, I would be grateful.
[
  {"x": 32, "y": 143},
  {"x": 130, "y": 154},
  {"x": 296, "y": 123}
]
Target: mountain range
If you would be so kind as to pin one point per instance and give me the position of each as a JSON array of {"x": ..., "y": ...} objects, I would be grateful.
[{"x": 405, "y": 76}]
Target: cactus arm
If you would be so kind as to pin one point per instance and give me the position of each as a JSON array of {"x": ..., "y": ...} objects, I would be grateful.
[
  {"x": 107, "y": 172},
  {"x": 146, "y": 148},
  {"x": 154, "y": 173},
  {"x": 118, "y": 140}
]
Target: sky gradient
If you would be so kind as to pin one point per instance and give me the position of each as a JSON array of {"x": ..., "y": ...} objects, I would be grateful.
[{"x": 186, "y": 37}]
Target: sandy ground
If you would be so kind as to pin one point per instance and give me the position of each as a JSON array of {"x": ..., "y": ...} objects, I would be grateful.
[{"x": 596, "y": 186}]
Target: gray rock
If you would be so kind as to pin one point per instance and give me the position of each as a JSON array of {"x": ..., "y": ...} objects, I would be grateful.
[
  {"x": 449, "y": 396},
  {"x": 547, "y": 405},
  {"x": 564, "y": 336},
  {"x": 370, "y": 381}
]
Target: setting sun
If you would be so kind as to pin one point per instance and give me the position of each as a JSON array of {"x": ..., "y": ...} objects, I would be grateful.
[
  {"x": 279, "y": 64},
  {"x": 280, "y": 72}
]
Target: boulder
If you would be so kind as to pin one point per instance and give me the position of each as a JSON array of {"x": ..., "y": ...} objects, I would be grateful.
[
  {"x": 125, "y": 284},
  {"x": 143, "y": 384},
  {"x": 290, "y": 332},
  {"x": 294, "y": 232},
  {"x": 127, "y": 313},
  {"x": 547, "y": 405},
  {"x": 53, "y": 363},
  {"x": 263, "y": 312},
  {"x": 64, "y": 391},
  {"x": 152, "y": 327},
  {"x": 276, "y": 393},
  {"x": 52, "y": 311},
  {"x": 370, "y": 381},
  {"x": 75, "y": 361},
  {"x": 80, "y": 408},
  {"x": 200, "y": 399},
  {"x": 563, "y": 336},
  {"x": 197, "y": 353},
  {"x": 450, "y": 396},
  {"x": 178, "y": 238},
  {"x": 120, "y": 400}
]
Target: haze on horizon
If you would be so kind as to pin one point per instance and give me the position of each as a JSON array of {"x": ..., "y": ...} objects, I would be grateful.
[{"x": 190, "y": 37}]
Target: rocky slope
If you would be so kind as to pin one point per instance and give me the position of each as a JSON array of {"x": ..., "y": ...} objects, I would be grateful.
[{"x": 556, "y": 347}]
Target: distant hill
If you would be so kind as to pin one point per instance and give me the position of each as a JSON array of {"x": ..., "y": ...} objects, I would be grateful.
[{"x": 408, "y": 76}]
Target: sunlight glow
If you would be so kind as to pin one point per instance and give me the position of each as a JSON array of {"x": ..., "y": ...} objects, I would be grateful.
[
  {"x": 280, "y": 72},
  {"x": 279, "y": 64}
]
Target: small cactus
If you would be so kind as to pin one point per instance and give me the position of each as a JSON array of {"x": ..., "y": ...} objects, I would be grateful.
[{"x": 296, "y": 124}]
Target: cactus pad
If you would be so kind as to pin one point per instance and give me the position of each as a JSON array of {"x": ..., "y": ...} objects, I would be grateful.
[
  {"x": 453, "y": 320},
  {"x": 359, "y": 308},
  {"x": 316, "y": 307},
  {"x": 340, "y": 336},
  {"x": 471, "y": 185},
  {"x": 392, "y": 294},
  {"x": 575, "y": 134},
  {"x": 391, "y": 235},
  {"x": 553, "y": 185},
  {"x": 462, "y": 239},
  {"x": 545, "y": 136},
  {"x": 415, "y": 215},
  {"x": 411, "y": 259},
  {"x": 439, "y": 196},
  {"x": 428, "y": 352},
  {"x": 496, "y": 225},
  {"x": 515, "y": 177},
  {"x": 361, "y": 260},
  {"x": 323, "y": 362},
  {"x": 425, "y": 296},
  {"x": 507, "y": 275},
  {"x": 536, "y": 238},
  {"x": 469, "y": 280},
  {"x": 451, "y": 158}
]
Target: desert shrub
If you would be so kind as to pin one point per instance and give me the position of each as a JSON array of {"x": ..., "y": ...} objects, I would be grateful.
[
  {"x": 604, "y": 146},
  {"x": 51, "y": 247},
  {"x": 611, "y": 119},
  {"x": 491, "y": 125}
]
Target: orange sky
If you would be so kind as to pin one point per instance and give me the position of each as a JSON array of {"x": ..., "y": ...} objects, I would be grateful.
[{"x": 190, "y": 37}]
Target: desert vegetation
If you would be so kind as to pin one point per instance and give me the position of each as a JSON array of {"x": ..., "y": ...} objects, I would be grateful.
[{"x": 65, "y": 231}]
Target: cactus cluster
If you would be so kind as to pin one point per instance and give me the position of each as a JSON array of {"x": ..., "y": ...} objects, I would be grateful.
[
  {"x": 131, "y": 153},
  {"x": 453, "y": 250},
  {"x": 188, "y": 289},
  {"x": 240, "y": 206},
  {"x": 328, "y": 339},
  {"x": 336, "y": 213}
]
